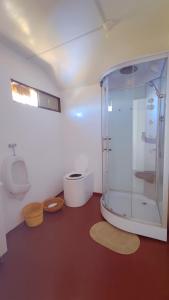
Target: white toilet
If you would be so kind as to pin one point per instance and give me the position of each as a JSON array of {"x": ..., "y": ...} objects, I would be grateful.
[
  {"x": 78, "y": 188},
  {"x": 15, "y": 176}
]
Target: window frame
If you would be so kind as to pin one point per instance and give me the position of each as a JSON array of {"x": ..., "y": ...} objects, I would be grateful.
[{"x": 41, "y": 91}]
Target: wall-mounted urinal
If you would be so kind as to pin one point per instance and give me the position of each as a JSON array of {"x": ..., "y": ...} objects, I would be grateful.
[{"x": 15, "y": 176}]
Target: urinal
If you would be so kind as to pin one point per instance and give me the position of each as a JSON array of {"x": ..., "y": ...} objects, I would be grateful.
[{"x": 15, "y": 176}]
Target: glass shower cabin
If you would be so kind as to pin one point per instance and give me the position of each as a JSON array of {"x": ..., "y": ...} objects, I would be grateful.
[{"x": 135, "y": 148}]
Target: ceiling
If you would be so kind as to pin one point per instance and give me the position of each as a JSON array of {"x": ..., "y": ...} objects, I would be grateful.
[{"x": 80, "y": 39}]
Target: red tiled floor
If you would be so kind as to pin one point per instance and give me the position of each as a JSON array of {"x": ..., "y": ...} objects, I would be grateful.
[{"x": 59, "y": 261}]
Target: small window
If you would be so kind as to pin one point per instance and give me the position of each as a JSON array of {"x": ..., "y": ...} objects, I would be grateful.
[
  {"x": 49, "y": 102},
  {"x": 27, "y": 95}
]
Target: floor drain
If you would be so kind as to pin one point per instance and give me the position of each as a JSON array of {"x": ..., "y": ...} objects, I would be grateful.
[{"x": 144, "y": 203}]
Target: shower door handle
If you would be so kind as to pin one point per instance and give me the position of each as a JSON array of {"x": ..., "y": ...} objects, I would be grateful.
[
  {"x": 104, "y": 144},
  {"x": 109, "y": 139},
  {"x": 105, "y": 147}
]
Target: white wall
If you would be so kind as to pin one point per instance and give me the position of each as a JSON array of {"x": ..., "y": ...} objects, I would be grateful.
[
  {"x": 82, "y": 131},
  {"x": 37, "y": 133}
]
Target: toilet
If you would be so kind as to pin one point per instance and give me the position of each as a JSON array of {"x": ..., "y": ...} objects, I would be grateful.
[
  {"x": 78, "y": 188},
  {"x": 15, "y": 176}
]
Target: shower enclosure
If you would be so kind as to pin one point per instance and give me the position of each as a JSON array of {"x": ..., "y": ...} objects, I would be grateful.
[{"x": 135, "y": 147}]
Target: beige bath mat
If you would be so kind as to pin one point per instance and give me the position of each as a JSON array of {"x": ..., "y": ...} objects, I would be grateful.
[{"x": 114, "y": 239}]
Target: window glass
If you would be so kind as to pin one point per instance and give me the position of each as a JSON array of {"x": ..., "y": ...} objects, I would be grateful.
[
  {"x": 27, "y": 95},
  {"x": 24, "y": 94}
]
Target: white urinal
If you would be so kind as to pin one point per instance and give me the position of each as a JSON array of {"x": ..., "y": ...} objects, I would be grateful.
[{"x": 15, "y": 176}]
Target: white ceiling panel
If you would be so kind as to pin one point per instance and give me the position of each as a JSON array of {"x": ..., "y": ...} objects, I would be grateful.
[
  {"x": 121, "y": 8},
  {"x": 44, "y": 24},
  {"x": 69, "y": 37}
]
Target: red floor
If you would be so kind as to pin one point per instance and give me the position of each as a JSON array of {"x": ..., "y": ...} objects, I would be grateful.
[{"x": 59, "y": 261}]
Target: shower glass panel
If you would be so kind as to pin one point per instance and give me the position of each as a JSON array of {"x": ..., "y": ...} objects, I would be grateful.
[
  {"x": 120, "y": 151},
  {"x": 161, "y": 132},
  {"x": 133, "y": 119}
]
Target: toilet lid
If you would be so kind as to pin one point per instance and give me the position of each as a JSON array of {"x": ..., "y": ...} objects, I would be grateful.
[
  {"x": 81, "y": 163},
  {"x": 74, "y": 176}
]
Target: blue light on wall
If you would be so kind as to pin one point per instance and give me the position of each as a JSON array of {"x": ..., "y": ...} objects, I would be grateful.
[{"x": 79, "y": 114}]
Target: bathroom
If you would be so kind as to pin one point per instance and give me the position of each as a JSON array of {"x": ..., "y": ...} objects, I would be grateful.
[{"x": 54, "y": 143}]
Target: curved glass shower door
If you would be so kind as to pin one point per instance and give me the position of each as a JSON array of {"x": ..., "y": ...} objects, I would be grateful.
[
  {"x": 133, "y": 128},
  {"x": 117, "y": 141}
]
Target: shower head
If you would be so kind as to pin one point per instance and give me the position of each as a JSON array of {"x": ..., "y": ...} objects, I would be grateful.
[{"x": 128, "y": 70}]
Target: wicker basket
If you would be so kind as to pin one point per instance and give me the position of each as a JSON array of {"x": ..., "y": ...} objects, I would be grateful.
[
  {"x": 33, "y": 214},
  {"x": 53, "y": 204}
]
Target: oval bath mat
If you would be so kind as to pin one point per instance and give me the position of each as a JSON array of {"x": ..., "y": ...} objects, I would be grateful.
[{"x": 114, "y": 239}]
